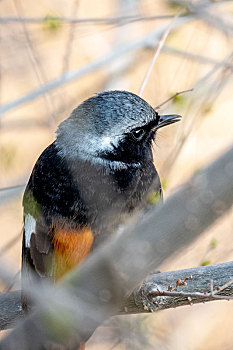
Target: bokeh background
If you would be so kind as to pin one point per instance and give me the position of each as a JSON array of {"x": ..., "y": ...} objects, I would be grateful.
[{"x": 54, "y": 54}]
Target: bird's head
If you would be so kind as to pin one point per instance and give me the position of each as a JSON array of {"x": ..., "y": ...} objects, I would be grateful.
[{"x": 114, "y": 128}]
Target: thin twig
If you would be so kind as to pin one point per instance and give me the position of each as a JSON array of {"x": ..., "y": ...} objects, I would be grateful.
[
  {"x": 172, "y": 292},
  {"x": 37, "y": 67},
  {"x": 156, "y": 54},
  {"x": 218, "y": 66},
  {"x": 88, "y": 68},
  {"x": 172, "y": 97},
  {"x": 200, "y": 84},
  {"x": 101, "y": 21},
  {"x": 158, "y": 293},
  {"x": 189, "y": 55},
  {"x": 11, "y": 187},
  {"x": 70, "y": 39},
  {"x": 179, "y": 283},
  {"x": 220, "y": 289}
]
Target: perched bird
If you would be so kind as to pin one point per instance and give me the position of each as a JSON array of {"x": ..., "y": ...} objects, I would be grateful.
[{"x": 97, "y": 172}]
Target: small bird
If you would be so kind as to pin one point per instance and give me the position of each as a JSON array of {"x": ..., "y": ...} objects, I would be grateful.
[{"x": 88, "y": 182}]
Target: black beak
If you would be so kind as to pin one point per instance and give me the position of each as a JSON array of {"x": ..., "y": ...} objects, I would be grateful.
[{"x": 168, "y": 119}]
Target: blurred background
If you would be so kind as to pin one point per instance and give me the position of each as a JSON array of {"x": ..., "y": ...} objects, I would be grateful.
[{"x": 54, "y": 54}]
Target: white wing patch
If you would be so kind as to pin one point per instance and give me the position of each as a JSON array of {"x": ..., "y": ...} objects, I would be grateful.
[{"x": 29, "y": 228}]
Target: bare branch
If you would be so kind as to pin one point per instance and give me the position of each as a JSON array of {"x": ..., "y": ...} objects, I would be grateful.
[
  {"x": 220, "y": 289},
  {"x": 101, "y": 21},
  {"x": 202, "y": 296},
  {"x": 150, "y": 297},
  {"x": 200, "y": 101},
  {"x": 191, "y": 56},
  {"x": 69, "y": 41},
  {"x": 10, "y": 309},
  {"x": 172, "y": 97},
  {"x": 156, "y": 54},
  {"x": 8, "y": 193},
  {"x": 90, "y": 67},
  {"x": 122, "y": 20},
  {"x": 37, "y": 67},
  {"x": 154, "y": 295},
  {"x": 8, "y": 188}
]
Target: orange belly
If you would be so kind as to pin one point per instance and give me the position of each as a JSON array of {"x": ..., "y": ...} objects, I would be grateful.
[{"x": 70, "y": 248}]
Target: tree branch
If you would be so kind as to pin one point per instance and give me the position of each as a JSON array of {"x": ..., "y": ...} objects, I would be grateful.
[
  {"x": 154, "y": 294},
  {"x": 151, "y": 296},
  {"x": 156, "y": 54},
  {"x": 74, "y": 20},
  {"x": 10, "y": 309}
]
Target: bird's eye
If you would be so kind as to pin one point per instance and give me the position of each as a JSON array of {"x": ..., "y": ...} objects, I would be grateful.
[{"x": 138, "y": 134}]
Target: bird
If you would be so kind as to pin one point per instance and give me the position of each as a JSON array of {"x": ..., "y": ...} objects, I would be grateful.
[{"x": 96, "y": 174}]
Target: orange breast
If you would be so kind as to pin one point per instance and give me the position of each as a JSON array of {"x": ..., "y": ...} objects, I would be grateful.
[{"x": 70, "y": 248}]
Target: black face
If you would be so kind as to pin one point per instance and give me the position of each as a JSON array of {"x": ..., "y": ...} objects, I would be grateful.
[{"x": 135, "y": 146}]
